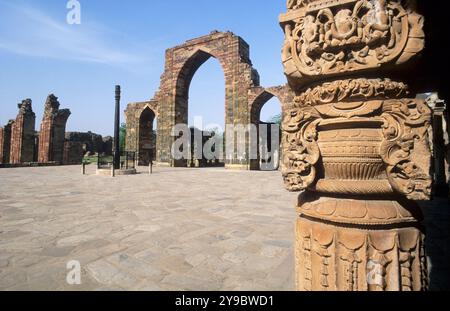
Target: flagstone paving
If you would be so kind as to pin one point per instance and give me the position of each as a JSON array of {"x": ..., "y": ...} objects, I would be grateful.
[{"x": 178, "y": 229}]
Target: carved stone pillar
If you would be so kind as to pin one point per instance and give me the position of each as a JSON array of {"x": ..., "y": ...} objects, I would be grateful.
[{"x": 355, "y": 146}]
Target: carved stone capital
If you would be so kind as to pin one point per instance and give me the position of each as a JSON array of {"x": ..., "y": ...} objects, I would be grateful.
[
  {"x": 357, "y": 137},
  {"x": 328, "y": 38}
]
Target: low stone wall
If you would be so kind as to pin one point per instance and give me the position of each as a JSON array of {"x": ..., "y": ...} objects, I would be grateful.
[{"x": 32, "y": 164}]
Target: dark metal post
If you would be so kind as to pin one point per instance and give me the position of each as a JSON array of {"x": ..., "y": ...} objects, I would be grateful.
[{"x": 117, "y": 130}]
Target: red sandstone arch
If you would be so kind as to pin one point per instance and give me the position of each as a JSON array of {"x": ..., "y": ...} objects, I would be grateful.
[
  {"x": 137, "y": 133},
  {"x": 260, "y": 97},
  {"x": 182, "y": 62},
  {"x": 244, "y": 97},
  {"x": 146, "y": 136},
  {"x": 185, "y": 76}
]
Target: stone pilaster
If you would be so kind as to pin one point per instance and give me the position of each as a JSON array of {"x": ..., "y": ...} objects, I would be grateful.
[
  {"x": 356, "y": 147},
  {"x": 22, "y": 134},
  {"x": 2, "y": 139},
  {"x": 53, "y": 129},
  {"x": 5, "y": 142},
  {"x": 439, "y": 140}
]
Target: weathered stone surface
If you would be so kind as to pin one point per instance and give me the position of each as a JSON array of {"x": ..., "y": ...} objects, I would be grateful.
[
  {"x": 5, "y": 142},
  {"x": 357, "y": 148},
  {"x": 155, "y": 236},
  {"x": 243, "y": 102},
  {"x": 326, "y": 39},
  {"x": 141, "y": 137},
  {"x": 52, "y": 134},
  {"x": 23, "y": 134},
  {"x": 73, "y": 152},
  {"x": 91, "y": 142}
]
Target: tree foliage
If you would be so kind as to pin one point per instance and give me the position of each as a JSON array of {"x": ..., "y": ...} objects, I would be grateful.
[
  {"x": 122, "y": 137},
  {"x": 276, "y": 119}
]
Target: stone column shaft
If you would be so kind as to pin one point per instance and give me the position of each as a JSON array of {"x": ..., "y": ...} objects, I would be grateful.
[{"x": 356, "y": 147}]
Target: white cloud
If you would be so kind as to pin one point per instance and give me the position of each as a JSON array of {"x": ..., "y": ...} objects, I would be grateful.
[{"x": 28, "y": 31}]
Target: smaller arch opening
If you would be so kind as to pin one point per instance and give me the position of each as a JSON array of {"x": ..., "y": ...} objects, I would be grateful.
[
  {"x": 266, "y": 115},
  {"x": 147, "y": 137},
  {"x": 271, "y": 111}
]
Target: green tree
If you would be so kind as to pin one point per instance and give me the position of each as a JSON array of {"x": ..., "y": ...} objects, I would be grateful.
[
  {"x": 276, "y": 119},
  {"x": 122, "y": 137}
]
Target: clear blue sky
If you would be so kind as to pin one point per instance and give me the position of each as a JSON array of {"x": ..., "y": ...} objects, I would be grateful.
[{"x": 123, "y": 42}]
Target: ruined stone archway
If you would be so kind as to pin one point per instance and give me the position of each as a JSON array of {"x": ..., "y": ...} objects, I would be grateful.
[
  {"x": 141, "y": 136},
  {"x": 147, "y": 137},
  {"x": 258, "y": 98},
  {"x": 183, "y": 83},
  {"x": 182, "y": 62},
  {"x": 264, "y": 129},
  {"x": 243, "y": 94}
]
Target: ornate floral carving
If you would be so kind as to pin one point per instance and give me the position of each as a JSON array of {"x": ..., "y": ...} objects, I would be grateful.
[
  {"x": 368, "y": 141},
  {"x": 405, "y": 128},
  {"x": 330, "y": 37},
  {"x": 352, "y": 89},
  {"x": 370, "y": 212},
  {"x": 301, "y": 151}
]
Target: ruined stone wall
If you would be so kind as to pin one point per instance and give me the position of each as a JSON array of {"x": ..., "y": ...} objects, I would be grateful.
[
  {"x": 2, "y": 141},
  {"x": 93, "y": 142},
  {"x": 133, "y": 115},
  {"x": 52, "y": 134},
  {"x": 23, "y": 134},
  {"x": 73, "y": 153},
  {"x": 138, "y": 135},
  {"x": 108, "y": 143}
]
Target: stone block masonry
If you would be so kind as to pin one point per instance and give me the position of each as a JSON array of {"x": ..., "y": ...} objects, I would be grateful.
[
  {"x": 169, "y": 106},
  {"x": 23, "y": 134},
  {"x": 1, "y": 145},
  {"x": 52, "y": 134},
  {"x": 5, "y": 142},
  {"x": 91, "y": 142},
  {"x": 73, "y": 153}
]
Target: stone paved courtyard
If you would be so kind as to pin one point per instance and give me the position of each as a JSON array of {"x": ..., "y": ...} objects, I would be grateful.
[{"x": 178, "y": 229}]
